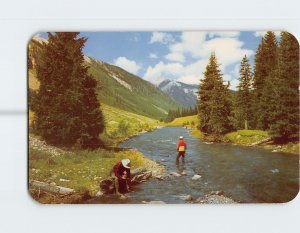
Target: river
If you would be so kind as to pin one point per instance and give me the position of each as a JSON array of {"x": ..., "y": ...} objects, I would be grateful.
[{"x": 246, "y": 174}]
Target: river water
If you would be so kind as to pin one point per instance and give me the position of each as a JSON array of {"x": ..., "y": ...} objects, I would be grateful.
[{"x": 246, "y": 174}]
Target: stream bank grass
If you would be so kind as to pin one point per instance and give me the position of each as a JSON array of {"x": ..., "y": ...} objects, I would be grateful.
[
  {"x": 80, "y": 170},
  {"x": 189, "y": 121},
  {"x": 246, "y": 137}
]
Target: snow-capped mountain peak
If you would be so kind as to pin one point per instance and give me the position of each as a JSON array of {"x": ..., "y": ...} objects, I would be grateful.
[{"x": 183, "y": 93}]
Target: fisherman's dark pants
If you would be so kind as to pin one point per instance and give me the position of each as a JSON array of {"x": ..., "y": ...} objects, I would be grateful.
[{"x": 180, "y": 154}]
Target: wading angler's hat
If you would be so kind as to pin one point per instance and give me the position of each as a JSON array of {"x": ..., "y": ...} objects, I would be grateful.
[
  {"x": 181, "y": 137},
  {"x": 125, "y": 163}
]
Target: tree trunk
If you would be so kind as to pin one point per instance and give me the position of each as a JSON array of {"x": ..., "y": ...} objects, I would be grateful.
[
  {"x": 50, "y": 188},
  {"x": 246, "y": 125}
]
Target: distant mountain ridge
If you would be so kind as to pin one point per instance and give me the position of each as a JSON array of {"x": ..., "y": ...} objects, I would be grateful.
[
  {"x": 185, "y": 94},
  {"x": 119, "y": 88},
  {"x": 129, "y": 92}
]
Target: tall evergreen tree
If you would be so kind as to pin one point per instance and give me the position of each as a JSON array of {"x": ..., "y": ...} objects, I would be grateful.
[
  {"x": 265, "y": 62},
  {"x": 284, "y": 120},
  {"x": 214, "y": 101},
  {"x": 243, "y": 110},
  {"x": 66, "y": 107}
]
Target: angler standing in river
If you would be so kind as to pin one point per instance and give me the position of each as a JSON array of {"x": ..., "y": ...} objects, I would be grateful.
[{"x": 181, "y": 148}]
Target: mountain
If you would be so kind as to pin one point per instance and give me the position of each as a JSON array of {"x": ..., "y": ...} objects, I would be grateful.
[
  {"x": 185, "y": 94},
  {"x": 129, "y": 92},
  {"x": 119, "y": 88}
]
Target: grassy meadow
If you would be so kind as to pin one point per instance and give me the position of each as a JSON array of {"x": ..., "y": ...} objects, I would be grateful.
[{"x": 121, "y": 124}]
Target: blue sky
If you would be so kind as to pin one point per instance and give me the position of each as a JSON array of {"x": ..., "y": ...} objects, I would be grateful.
[{"x": 181, "y": 56}]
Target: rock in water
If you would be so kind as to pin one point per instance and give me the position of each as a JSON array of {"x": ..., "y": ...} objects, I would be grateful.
[
  {"x": 175, "y": 174},
  {"x": 187, "y": 198},
  {"x": 219, "y": 192},
  {"x": 196, "y": 177},
  {"x": 137, "y": 171},
  {"x": 183, "y": 173},
  {"x": 141, "y": 177},
  {"x": 153, "y": 202},
  {"x": 275, "y": 170}
]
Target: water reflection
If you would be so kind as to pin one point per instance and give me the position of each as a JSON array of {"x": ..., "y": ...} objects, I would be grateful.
[{"x": 180, "y": 167}]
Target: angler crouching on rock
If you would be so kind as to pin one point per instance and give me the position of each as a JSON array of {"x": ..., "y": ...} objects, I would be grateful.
[{"x": 121, "y": 173}]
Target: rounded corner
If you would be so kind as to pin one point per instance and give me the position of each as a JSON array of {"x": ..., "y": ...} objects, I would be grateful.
[
  {"x": 30, "y": 195},
  {"x": 32, "y": 36},
  {"x": 293, "y": 36},
  {"x": 292, "y": 198}
]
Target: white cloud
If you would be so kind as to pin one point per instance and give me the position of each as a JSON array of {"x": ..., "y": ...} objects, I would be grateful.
[
  {"x": 129, "y": 65},
  {"x": 175, "y": 57},
  {"x": 153, "y": 56},
  {"x": 191, "y": 43},
  {"x": 191, "y": 73},
  {"x": 162, "y": 71},
  {"x": 227, "y": 50},
  {"x": 189, "y": 79},
  {"x": 233, "y": 84},
  {"x": 161, "y": 37},
  {"x": 224, "y": 34},
  {"x": 197, "y": 47}
]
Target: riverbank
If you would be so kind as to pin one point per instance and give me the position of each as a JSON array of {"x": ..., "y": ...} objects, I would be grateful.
[
  {"x": 239, "y": 137},
  {"x": 80, "y": 170}
]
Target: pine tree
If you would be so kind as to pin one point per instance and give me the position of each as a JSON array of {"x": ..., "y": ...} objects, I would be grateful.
[
  {"x": 265, "y": 62},
  {"x": 214, "y": 104},
  {"x": 284, "y": 120},
  {"x": 66, "y": 107},
  {"x": 244, "y": 95}
]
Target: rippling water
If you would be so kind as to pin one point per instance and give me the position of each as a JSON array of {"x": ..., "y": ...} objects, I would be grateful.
[{"x": 247, "y": 174}]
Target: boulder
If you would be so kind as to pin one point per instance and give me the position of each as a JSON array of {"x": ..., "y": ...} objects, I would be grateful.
[
  {"x": 187, "y": 198},
  {"x": 107, "y": 186},
  {"x": 153, "y": 202},
  {"x": 175, "y": 174},
  {"x": 137, "y": 171},
  {"x": 214, "y": 199},
  {"x": 219, "y": 193},
  {"x": 196, "y": 177},
  {"x": 183, "y": 173},
  {"x": 141, "y": 177}
]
